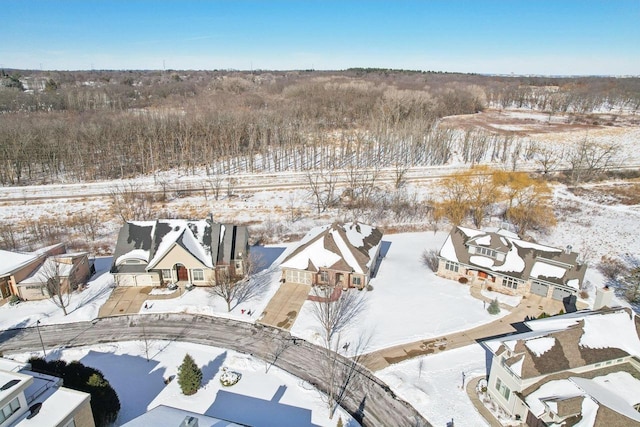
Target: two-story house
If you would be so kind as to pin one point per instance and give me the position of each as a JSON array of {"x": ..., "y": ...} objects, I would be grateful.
[
  {"x": 579, "y": 366},
  {"x": 509, "y": 264},
  {"x": 151, "y": 253}
]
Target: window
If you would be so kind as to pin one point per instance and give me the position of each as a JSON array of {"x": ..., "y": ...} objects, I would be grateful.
[
  {"x": 166, "y": 274},
  {"x": 357, "y": 280},
  {"x": 451, "y": 266},
  {"x": 486, "y": 251},
  {"x": 510, "y": 282},
  {"x": 71, "y": 423},
  {"x": 324, "y": 276},
  {"x": 9, "y": 410},
  {"x": 503, "y": 389},
  {"x": 197, "y": 274}
]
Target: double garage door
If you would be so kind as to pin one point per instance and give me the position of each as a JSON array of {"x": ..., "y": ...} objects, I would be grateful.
[{"x": 543, "y": 290}]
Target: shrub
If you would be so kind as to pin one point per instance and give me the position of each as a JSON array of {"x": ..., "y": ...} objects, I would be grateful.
[
  {"x": 611, "y": 268},
  {"x": 105, "y": 404},
  {"x": 430, "y": 259},
  {"x": 494, "y": 307},
  {"x": 189, "y": 376},
  {"x": 463, "y": 280},
  {"x": 14, "y": 299}
]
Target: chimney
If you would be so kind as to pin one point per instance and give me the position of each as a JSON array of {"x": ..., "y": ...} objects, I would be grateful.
[
  {"x": 604, "y": 297},
  {"x": 568, "y": 249},
  {"x": 189, "y": 421}
]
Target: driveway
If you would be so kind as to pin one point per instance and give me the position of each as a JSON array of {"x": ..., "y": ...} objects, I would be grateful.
[
  {"x": 531, "y": 307},
  {"x": 284, "y": 307},
  {"x": 129, "y": 299}
]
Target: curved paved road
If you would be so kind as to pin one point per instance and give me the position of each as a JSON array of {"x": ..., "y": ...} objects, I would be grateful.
[{"x": 367, "y": 399}]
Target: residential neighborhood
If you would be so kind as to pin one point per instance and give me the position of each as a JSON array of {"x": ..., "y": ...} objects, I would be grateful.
[{"x": 319, "y": 213}]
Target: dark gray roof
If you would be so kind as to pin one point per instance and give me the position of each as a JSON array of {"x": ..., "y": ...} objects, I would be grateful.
[{"x": 149, "y": 241}]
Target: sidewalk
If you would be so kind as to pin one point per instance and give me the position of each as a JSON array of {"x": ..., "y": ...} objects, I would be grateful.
[{"x": 484, "y": 412}]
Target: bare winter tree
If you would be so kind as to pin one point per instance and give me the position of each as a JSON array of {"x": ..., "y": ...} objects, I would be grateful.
[
  {"x": 322, "y": 185},
  {"x": 334, "y": 314},
  {"x": 588, "y": 159},
  {"x": 236, "y": 287},
  {"x": 58, "y": 282},
  {"x": 340, "y": 373}
]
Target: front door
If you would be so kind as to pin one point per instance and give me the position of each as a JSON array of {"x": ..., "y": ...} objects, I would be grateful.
[{"x": 181, "y": 271}]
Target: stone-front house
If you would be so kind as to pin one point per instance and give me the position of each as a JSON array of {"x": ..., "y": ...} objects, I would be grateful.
[
  {"x": 583, "y": 366},
  {"x": 30, "y": 399},
  {"x": 509, "y": 264},
  {"x": 152, "y": 253},
  {"x": 344, "y": 255},
  {"x": 24, "y": 274}
]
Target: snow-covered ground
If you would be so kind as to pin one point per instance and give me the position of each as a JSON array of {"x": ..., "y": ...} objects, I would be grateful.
[
  {"x": 433, "y": 384},
  {"x": 283, "y": 400},
  {"x": 408, "y": 301}
]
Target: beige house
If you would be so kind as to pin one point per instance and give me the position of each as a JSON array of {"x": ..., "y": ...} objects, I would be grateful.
[
  {"x": 30, "y": 399},
  {"x": 508, "y": 264},
  {"x": 344, "y": 255},
  {"x": 70, "y": 270},
  {"x": 570, "y": 368},
  {"x": 152, "y": 253},
  {"x": 25, "y": 274}
]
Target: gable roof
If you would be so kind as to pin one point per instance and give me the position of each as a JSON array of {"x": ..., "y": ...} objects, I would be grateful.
[
  {"x": 518, "y": 258},
  {"x": 574, "y": 342},
  {"x": 150, "y": 241},
  {"x": 13, "y": 261},
  {"x": 599, "y": 400},
  {"x": 345, "y": 247}
]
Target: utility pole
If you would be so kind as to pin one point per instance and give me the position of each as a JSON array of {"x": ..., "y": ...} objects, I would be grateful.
[{"x": 40, "y": 335}]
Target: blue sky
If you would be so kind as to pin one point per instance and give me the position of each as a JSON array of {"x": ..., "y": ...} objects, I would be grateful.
[{"x": 559, "y": 37}]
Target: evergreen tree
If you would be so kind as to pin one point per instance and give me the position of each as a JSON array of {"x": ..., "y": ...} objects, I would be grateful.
[
  {"x": 105, "y": 404},
  {"x": 494, "y": 307},
  {"x": 189, "y": 376}
]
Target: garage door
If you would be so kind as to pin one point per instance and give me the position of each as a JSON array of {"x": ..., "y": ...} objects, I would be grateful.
[
  {"x": 539, "y": 289},
  {"x": 560, "y": 294}
]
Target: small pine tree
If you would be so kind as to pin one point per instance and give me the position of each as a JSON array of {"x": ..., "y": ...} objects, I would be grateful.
[
  {"x": 340, "y": 423},
  {"x": 494, "y": 307},
  {"x": 189, "y": 376}
]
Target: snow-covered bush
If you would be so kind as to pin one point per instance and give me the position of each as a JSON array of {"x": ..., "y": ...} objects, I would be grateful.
[
  {"x": 494, "y": 307},
  {"x": 229, "y": 378}
]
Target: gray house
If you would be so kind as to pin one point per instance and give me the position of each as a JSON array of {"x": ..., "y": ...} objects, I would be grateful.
[
  {"x": 509, "y": 264},
  {"x": 150, "y": 253}
]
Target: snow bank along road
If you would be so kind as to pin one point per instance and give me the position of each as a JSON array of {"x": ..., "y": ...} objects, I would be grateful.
[{"x": 367, "y": 399}]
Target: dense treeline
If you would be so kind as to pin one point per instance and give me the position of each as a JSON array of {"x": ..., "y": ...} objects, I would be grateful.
[{"x": 109, "y": 124}]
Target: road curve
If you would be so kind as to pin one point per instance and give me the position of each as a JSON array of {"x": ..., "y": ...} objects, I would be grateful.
[{"x": 367, "y": 399}]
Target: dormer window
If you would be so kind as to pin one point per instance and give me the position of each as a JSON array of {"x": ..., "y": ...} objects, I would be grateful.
[
  {"x": 480, "y": 250},
  {"x": 637, "y": 407}
]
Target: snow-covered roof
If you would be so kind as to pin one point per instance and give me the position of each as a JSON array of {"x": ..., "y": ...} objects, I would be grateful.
[
  {"x": 166, "y": 415},
  {"x": 514, "y": 257},
  {"x": 617, "y": 391},
  {"x": 570, "y": 343},
  {"x": 12, "y": 261},
  {"x": 337, "y": 246},
  {"x": 49, "y": 268},
  {"x": 150, "y": 241}
]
